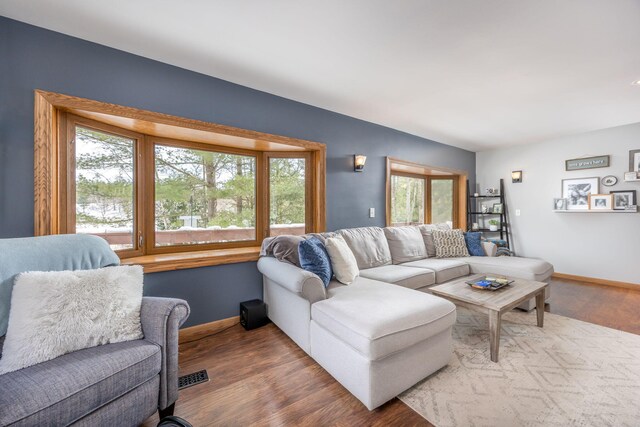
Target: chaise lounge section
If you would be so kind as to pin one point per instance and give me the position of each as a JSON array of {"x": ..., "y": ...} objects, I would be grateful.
[
  {"x": 384, "y": 332},
  {"x": 377, "y": 339}
]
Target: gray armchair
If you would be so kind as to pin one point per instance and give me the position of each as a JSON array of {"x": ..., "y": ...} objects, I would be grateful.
[{"x": 115, "y": 384}]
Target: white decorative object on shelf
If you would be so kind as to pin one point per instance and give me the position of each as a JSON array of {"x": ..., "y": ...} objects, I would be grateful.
[{"x": 631, "y": 176}]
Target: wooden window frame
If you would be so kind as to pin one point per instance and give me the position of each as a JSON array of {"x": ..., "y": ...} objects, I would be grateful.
[
  {"x": 429, "y": 173},
  {"x": 67, "y": 198},
  {"x": 309, "y": 202},
  {"x": 55, "y": 116},
  {"x": 425, "y": 197},
  {"x": 455, "y": 213},
  {"x": 149, "y": 208}
]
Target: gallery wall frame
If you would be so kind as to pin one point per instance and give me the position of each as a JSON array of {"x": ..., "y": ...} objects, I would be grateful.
[
  {"x": 622, "y": 199},
  {"x": 634, "y": 161},
  {"x": 600, "y": 201},
  {"x": 577, "y": 191},
  {"x": 588, "y": 163}
]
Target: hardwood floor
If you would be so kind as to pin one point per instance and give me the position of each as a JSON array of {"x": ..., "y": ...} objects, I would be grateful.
[
  {"x": 262, "y": 378},
  {"x": 617, "y": 308}
]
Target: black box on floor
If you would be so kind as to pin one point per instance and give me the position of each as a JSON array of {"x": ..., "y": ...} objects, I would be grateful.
[{"x": 253, "y": 314}]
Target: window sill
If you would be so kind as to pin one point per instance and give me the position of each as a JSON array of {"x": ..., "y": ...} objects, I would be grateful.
[{"x": 195, "y": 259}]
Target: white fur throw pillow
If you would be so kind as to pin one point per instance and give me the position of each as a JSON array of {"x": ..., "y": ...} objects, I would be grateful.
[
  {"x": 55, "y": 313},
  {"x": 343, "y": 262}
]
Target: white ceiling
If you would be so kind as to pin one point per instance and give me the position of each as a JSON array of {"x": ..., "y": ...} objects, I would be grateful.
[{"x": 474, "y": 74}]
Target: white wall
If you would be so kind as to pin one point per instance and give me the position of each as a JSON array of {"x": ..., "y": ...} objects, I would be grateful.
[{"x": 603, "y": 245}]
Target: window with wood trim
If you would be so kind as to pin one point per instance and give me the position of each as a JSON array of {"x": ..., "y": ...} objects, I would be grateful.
[
  {"x": 288, "y": 194},
  {"x": 146, "y": 194},
  {"x": 418, "y": 194},
  {"x": 417, "y": 199},
  {"x": 442, "y": 200},
  {"x": 408, "y": 199},
  {"x": 138, "y": 181},
  {"x": 202, "y": 195}
]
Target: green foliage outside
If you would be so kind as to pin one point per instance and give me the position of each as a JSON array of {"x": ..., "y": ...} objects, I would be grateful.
[
  {"x": 286, "y": 187},
  {"x": 441, "y": 200},
  {"x": 104, "y": 179},
  {"x": 219, "y": 188},
  {"x": 407, "y": 200}
]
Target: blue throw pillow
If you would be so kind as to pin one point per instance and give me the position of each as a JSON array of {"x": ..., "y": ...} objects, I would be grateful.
[
  {"x": 314, "y": 258},
  {"x": 474, "y": 244}
]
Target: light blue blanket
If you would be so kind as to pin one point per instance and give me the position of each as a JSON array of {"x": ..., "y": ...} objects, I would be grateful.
[{"x": 48, "y": 253}]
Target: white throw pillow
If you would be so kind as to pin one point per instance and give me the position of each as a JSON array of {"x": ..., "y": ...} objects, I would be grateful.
[
  {"x": 343, "y": 262},
  {"x": 58, "y": 312}
]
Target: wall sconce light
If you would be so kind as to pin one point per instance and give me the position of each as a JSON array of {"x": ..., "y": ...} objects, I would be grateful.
[
  {"x": 358, "y": 162},
  {"x": 516, "y": 176}
]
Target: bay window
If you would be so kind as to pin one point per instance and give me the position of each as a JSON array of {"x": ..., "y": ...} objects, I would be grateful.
[{"x": 154, "y": 186}]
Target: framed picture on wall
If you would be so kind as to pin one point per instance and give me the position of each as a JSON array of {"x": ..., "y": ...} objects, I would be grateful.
[
  {"x": 634, "y": 161},
  {"x": 560, "y": 204},
  {"x": 623, "y": 199},
  {"x": 577, "y": 191},
  {"x": 600, "y": 202}
]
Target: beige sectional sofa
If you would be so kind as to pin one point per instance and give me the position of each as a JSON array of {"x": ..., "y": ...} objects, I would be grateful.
[{"x": 384, "y": 332}]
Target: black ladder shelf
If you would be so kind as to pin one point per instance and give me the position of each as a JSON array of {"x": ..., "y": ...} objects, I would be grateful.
[{"x": 475, "y": 214}]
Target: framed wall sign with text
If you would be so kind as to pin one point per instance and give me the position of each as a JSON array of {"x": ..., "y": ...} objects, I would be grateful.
[{"x": 587, "y": 163}]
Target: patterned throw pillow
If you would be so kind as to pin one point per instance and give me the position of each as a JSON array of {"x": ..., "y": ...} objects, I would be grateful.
[
  {"x": 449, "y": 243},
  {"x": 474, "y": 243},
  {"x": 426, "y": 230},
  {"x": 314, "y": 258}
]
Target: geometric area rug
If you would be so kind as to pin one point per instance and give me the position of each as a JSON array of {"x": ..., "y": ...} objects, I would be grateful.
[{"x": 569, "y": 373}]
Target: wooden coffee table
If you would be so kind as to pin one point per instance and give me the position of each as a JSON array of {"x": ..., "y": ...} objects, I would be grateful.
[{"x": 494, "y": 303}]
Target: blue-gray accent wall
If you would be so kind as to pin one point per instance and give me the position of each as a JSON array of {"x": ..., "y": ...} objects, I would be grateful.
[{"x": 34, "y": 58}]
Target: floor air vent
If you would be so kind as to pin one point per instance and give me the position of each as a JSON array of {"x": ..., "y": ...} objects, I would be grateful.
[{"x": 193, "y": 379}]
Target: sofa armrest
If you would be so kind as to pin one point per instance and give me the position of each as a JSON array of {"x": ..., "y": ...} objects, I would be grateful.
[
  {"x": 161, "y": 318},
  {"x": 294, "y": 279},
  {"x": 490, "y": 249}
]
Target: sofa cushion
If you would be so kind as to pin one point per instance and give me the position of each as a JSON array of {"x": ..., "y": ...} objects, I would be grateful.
[
  {"x": 369, "y": 246},
  {"x": 343, "y": 263},
  {"x": 320, "y": 236},
  {"x": 524, "y": 268},
  {"x": 64, "y": 389},
  {"x": 427, "y": 236},
  {"x": 315, "y": 259},
  {"x": 291, "y": 242},
  {"x": 445, "y": 269},
  {"x": 405, "y": 244},
  {"x": 490, "y": 249},
  {"x": 450, "y": 243},
  {"x": 396, "y": 317},
  {"x": 283, "y": 248},
  {"x": 473, "y": 239},
  {"x": 408, "y": 277}
]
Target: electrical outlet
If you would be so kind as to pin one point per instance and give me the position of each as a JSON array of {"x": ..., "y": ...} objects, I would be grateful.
[
  {"x": 517, "y": 212},
  {"x": 372, "y": 212}
]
